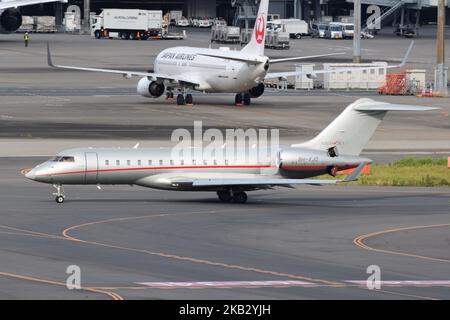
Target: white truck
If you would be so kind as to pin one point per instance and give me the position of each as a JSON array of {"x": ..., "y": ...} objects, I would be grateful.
[
  {"x": 295, "y": 27},
  {"x": 132, "y": 24}
]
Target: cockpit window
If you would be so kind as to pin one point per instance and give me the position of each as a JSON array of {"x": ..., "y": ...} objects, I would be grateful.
[
  {"x": 63, "y": 159},
  {"x": 67, "y": 159}
]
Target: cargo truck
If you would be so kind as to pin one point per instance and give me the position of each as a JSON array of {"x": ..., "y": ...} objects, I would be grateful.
[{"x": 131, "y": 24}]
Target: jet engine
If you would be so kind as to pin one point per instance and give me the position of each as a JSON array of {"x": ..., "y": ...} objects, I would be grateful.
[
  {"x": 150, "y": 89},
  {"x": 257, "y": 91},
  {"x": 10, "y": 20}
]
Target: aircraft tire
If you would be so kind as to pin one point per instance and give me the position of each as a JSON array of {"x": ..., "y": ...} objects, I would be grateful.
[
  {"x": 189, "y": 100},
  {"x": 238, "y": 99},
  {"x": 59, "y": 199},
  {"x": 180, "y": 100},
  {"x": 224, "y": 196},
  {"x": 247, "y": 99},
  {"x": 240, "y": 197}
]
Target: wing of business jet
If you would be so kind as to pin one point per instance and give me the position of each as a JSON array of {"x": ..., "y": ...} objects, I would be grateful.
[
  {"x": 244, "y": 181},
  {"x": 21, "y": 3},
  {"x": 277, "y": 75},
  {"x": 126, "y": 73}
]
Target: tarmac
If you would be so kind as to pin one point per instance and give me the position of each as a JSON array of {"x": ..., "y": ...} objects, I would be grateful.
[{"x": 136, "y": 243}]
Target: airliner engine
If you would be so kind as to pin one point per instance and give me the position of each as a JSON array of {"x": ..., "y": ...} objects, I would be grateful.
[
  {"x": 150, "y": 89},
  {"x": 10, "y": 20}
]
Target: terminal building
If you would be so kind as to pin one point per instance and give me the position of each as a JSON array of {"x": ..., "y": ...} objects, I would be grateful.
[{"x": 417, "y": 12}]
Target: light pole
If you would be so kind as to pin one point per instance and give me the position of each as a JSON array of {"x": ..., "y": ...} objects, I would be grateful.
[
  {"x": 357, "y": 31},
  {"x": 440, "y": 73}
]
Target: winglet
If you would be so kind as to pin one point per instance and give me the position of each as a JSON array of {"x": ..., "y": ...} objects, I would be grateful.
[
  {"x": 406, "y": 57},
  {"x": 355, "y": 174},
  {"x": 49, "y": 56}
]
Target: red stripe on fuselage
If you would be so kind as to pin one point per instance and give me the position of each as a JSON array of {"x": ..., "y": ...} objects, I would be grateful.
[
  {"x": 163, "y": 168},
  {"x": 350, "y": 166}
]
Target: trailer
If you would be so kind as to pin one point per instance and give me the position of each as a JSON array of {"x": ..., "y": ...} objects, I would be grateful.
[
  {"x": 131, "y": 24},
  {"x": 225, "y": 34}
]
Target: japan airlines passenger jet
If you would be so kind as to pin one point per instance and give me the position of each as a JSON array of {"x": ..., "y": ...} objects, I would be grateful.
[
  {"x": 211, "y": 70},
  {"x": 336, "y": 148}
]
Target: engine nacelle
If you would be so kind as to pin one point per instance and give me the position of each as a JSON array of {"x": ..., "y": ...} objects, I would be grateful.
[
  {"x": 257, "y": 91},
  {"x": 150, "y": 89},
  {"x": 10, "y": 20}
]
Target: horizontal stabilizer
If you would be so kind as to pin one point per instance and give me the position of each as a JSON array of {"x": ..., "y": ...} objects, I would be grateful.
[{"x": 391, "y": 107}]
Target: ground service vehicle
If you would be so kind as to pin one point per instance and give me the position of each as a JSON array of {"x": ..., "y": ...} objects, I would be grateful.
[{"x": 128, "y": 24}]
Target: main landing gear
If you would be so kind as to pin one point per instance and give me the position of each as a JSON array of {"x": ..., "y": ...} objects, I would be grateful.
[
  {"x": 60, "y": 196},
  {"x": 242, "y": 98},
  {"x": 184, "y": 98},
  {"x": 235, "y": 196}
]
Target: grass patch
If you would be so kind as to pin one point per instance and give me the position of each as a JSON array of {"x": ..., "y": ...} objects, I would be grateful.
[{"x": 423, "y": 172}]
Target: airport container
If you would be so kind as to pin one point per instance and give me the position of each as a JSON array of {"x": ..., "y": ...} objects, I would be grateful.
[
  {"x": 302, "y": 81},
  {"x": 45, "y": 23},
  {"x": 27, "y": 24},
  {"x": 357, "y": 79},
  {"x": 127, "y": 24}
]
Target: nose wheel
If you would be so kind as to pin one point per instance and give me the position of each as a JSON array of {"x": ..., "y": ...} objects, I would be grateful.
[
  {"x": 242, "y": 98},
  {"x": 60, "y": 197}
]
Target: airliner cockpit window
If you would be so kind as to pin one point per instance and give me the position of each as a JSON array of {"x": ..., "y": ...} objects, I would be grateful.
[
  {"x": 55, "y": 159},
  {"x": 67, "y": 159}
]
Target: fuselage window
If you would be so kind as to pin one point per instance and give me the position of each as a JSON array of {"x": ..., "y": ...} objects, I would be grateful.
[
  {"x": 106, "y": 162},
  {"x": 128, "y": 162},
  {"x": 171, "y": 162},
  {"x": 182, "y": 162},
  {"x": 149, "y": 162},
  {"x": 139, "y": 162},
  {"x": 226, "y": 162},
  {"x": 215, "y": 162},
  {"x": 117, "y": 162},
  {"x": 205, "y": 163},
  {"x": 160, "y": 162},
  {"x": 193, "y": 162}
]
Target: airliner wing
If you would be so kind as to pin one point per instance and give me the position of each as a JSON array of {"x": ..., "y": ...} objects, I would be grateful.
[
  {"x": 274, "y": 61},
  {"x": 312, "y": 74},
  {"x": 21, "y": 3},
  {"x": 128, "y": 74}
]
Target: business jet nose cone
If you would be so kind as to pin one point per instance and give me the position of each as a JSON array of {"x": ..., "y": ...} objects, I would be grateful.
[{"x": 31, "y": 174}]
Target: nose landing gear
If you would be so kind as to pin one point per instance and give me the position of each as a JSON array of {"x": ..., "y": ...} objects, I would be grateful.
[
  {"x": 243, "y": 98},
  {"x": 60, "y": 196}
]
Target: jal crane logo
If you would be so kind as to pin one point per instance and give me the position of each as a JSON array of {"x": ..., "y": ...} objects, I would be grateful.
[{"x": 260, "y": 29}]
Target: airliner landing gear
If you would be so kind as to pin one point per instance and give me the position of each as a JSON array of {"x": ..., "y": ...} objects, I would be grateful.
[
  {"x": 247, "y": 99},
  {"x": 238, "y": 99},
  {"x": 60, "y": 197},
  {"x": 185, "y": 99},
  {"x": 189, "y": 100},
  {"x": 180, "y": 99},
  {"x": 242, "y": 98},
  {"x": 224, "y": 196},
  {"x": 169, "y": 95}
]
